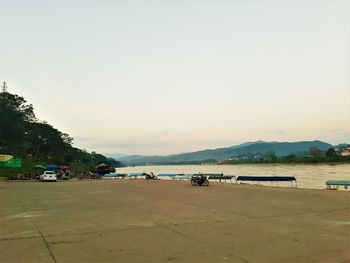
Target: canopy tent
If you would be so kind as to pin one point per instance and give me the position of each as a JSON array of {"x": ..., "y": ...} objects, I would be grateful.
[
  {"x": 52, "y": 166},
  {"x": 39, "y": 166},
  {"x": 64, "y": 167}
]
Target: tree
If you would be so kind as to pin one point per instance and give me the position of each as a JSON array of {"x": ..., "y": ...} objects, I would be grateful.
[
  {"x": 270, "y": 156},
  {"x": 331, "y": 153},
  {"x": 314, "y": 152},
  {"x": 290, "y": 158},
  {"x": 14, "y": 117},
  {"x": 22, "y": 134}
]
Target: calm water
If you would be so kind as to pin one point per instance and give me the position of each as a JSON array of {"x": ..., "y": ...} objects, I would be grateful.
[{"x": 308, "y": 176}]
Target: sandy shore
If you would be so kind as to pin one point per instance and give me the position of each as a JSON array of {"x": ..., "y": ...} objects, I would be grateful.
[{"x": 167, "y": 221}]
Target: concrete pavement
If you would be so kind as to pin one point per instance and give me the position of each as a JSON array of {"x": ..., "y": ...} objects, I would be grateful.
[{"x": 171, "y": 221}]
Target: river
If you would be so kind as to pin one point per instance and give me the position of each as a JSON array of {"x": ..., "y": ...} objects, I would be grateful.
[{"x": 308, "y": 175}]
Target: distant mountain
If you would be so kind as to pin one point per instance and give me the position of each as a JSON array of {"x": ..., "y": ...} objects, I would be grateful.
[
  {"x": 280, "y": 148},
  {"x": 116, "y": 155},
  {"x": 246, "y": 144}
]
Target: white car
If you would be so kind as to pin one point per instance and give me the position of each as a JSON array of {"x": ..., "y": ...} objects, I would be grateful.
[{"x": 48, "y": 176}]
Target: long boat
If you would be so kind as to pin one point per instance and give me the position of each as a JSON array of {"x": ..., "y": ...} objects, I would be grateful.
[
  {"x": 169, "y": 175},
  {"x": 271, "y": 179},
  {"x": 334, "y": 184},
  {"x": 219, "y": 176},
  {"x": 135, "y": 175},
  {"x": 114, "y": 175}
]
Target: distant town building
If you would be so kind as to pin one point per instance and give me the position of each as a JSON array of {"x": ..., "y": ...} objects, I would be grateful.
[{"x": 345, "y": 152}]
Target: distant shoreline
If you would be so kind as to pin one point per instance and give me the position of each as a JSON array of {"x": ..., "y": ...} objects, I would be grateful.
[{"x": 243, "y": 163}]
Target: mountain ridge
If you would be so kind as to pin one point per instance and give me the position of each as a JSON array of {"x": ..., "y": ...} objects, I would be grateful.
[{"x": 280, "y": 149}]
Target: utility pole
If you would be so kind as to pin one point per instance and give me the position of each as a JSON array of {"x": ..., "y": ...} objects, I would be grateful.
[{"x": 4, "y": 87}]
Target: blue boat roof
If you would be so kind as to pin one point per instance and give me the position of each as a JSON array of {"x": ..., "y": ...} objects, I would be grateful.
[
  {"x": 114, "y": 174},
  {"x": 111, "y": 174},
  {"x": 136, "y": 174},
  {"x": 169, "y": 174}
]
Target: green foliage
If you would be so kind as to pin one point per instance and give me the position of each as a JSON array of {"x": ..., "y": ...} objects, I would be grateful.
[
  {"x": 331, "y": 152},
  {"x": 23, "y": 135},
  {"x": 270, "y": 156},
  {"x": 315, "y": 152},
  {"x": 14, "y": 117}
]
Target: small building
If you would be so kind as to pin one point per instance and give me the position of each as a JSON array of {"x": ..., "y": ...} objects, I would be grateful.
[{"x": 345, "y": 152}]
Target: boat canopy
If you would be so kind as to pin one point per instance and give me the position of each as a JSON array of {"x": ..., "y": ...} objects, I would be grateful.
[
  {"x": 219, "y": 176},
  {"x": 183, "y": 176},
  {"x": 170, "y": 174},
  {"x": 338, "y": 182},
  {"x": 136, "y": 174},
  {"x": 266, "y": 178}
]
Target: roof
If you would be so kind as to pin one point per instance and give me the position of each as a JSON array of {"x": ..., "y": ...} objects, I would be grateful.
[
  {"x": 338, "y": 182},
  {"x": 220, "y": 176},
  {"x": 266, "y": 178},
  {"x": 136, "y": 174},
  {"x": 169, "y": 174}
]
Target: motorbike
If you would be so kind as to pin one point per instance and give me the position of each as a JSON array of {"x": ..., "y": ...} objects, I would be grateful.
[{"x": 199, "y": 181}]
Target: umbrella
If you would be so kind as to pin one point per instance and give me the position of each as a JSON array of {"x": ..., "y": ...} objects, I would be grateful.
[
  {"x": 52, "y": 166},
  {"x": 64, "y": 167},
  {"x": 39, "y": 166}
]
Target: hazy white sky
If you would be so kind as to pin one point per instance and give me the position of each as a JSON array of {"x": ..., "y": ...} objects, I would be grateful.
[{"x": 160, "y": 77}]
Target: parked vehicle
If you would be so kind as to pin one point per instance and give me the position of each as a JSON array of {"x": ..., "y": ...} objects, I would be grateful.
[
  {"x": 199, "y": 180},
  {"x": 48, "y": 176},
  {"x": 150, "y": 176},
  {"x": 66, "y": 176}
]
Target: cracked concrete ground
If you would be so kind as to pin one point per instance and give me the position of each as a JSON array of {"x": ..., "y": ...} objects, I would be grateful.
[{"x": 171, "y": 221}]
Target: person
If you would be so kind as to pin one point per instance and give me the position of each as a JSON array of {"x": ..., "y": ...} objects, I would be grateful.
[{"x": 147, "y": 176}]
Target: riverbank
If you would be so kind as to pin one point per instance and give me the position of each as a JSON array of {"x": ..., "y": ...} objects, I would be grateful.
[
  {"x": 308, "y": 176},
  {"x": 161, "y": 221}
]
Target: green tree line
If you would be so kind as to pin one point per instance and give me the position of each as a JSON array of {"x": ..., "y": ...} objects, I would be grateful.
[{"x": 314, "y": 155}]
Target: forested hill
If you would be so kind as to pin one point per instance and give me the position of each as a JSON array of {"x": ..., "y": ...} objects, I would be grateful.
[
  {"x": 259, "y": 147},
  {"x": 24, "y": 136}
]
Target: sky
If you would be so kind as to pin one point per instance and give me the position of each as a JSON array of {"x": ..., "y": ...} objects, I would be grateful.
[{"x": 163, "y": 77}]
